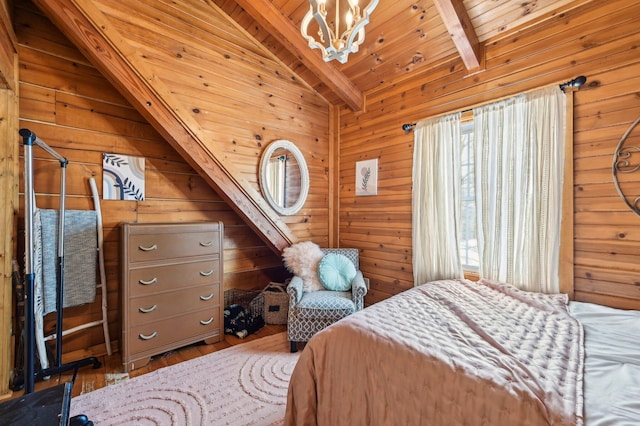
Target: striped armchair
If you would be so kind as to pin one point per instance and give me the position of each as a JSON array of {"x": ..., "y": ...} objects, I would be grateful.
[{"x": 311, "y": 312}]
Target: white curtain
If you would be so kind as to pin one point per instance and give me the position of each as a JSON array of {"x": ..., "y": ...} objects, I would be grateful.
[
  {"x": 519, "y": 160},
  {"x": 436, "y": 183}
]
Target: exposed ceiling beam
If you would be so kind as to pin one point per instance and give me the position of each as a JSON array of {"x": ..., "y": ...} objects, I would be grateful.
[
  {"x": 281, "y": 27},
  {"x": 458, "y": 23},
  {"x": 117, "y": 60}
]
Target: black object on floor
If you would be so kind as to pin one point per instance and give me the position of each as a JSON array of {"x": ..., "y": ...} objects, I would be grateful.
[{"x": 48, "y": 407}]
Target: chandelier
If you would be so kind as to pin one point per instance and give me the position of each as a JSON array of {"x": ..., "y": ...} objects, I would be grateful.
[{"x": 337, "y": 38}]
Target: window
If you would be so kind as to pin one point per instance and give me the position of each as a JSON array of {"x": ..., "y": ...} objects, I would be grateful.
[
  {"x": 467, "y": 237},
  {"x": 499, "y": 214}
]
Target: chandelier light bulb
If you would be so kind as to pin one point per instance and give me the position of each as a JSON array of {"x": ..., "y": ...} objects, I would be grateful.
[{"x": 322, "y": 6}]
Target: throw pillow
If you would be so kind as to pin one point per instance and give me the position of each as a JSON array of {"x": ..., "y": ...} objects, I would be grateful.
[
  {"x": 336, "y": 272},
  {"x": 302, "y": 260}
]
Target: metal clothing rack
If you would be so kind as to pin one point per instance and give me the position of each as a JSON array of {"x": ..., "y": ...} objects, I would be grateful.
[{"x": 30, "y": 375}]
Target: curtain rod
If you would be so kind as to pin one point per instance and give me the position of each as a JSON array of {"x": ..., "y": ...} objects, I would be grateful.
[{"x": 576, "y": 82}]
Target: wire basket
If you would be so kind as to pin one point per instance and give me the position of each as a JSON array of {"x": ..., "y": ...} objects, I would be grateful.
[{"x": 252, "y": 300}]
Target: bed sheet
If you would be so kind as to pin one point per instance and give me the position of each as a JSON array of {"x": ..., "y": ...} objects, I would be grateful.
[{"x": 612, "y": 364}]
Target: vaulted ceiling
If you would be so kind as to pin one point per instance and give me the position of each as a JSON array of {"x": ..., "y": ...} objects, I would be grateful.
[{"x": 403, "y": 37}]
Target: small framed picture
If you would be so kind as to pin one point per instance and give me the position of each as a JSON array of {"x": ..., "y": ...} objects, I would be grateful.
[
  {"x": 367, "y": 177},
  {"x": 122, "y": 177}
]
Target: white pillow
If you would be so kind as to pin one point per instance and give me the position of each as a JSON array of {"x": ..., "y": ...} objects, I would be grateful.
[{"x": 302, "y": 260}]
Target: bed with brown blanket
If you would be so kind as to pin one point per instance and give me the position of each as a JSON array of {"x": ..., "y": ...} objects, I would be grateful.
[{"x": 448, "y": 352}]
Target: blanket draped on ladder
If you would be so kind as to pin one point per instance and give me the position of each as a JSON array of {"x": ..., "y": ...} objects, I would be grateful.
[{"x": 80, "y": 258}]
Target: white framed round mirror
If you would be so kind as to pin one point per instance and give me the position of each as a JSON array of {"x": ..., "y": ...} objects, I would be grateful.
[{"x": 284, "y": 177}]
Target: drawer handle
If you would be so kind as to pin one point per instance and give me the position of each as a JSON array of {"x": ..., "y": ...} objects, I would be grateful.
[
  {"x": 152, "y": 248},
  {"x": 146, "y": 311},
  {"x": 149, "y": 282},
  {"x": 149, "y": 337},
  {"x": 207, "y": 322},
  {"x": 206, "y": 273},
  {"x": 209, "y": 297},
  {"x": 207, "y": 244}
]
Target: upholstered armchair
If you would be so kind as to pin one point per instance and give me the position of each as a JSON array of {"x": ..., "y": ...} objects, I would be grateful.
[{"x": 312, "y": 311}]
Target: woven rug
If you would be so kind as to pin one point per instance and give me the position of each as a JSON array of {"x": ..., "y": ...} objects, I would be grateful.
[{"x": 242, "y": 385}]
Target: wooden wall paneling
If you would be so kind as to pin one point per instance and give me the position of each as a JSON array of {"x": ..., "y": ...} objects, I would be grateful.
[
  {"x": 606, "y": 300},
  {"x": 333, "y": 166},
  {"x": 7, "y": 48},
  {"x": 62, "y": 74},
  {"x": 77, "y": 143},
  {"x": 575, "y": 23},
  {"x": 156, "y": 102},
  {"x": 251, "y": 258},
  {"x": 516, "y": 16},
  {"x": 391, "y": 54},
  {"x": 255, "y": 279},
  {"x": 69, "y": 104},
  {"x": 309, "y": 120},
  {"x": 8, "y": 189},
  {"x": 566, "y": 245},
  {"x": 271, "y": 18},
  {"x": 607, "y": 240},
  {"x": 370, "y": 65},
  {"x": 512, "y": 73},
  {"x": 243, "y": 19},
  {"x": 37, "y": 103},
  {"x": 211, "y": 111},
  {"x": 9, "y": 177},
  {"x": 374, "y": 68},
  {"x": 579, "y": 41},
  {"x": 606, "y": 282},
  {"x": 36, "y": 30}
]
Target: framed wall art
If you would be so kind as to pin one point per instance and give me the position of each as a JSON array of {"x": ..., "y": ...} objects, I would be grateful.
[
  {"x": 122, "y": 177},
  {"x": 367, "y": 177}
]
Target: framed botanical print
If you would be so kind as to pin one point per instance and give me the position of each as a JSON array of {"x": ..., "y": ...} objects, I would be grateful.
[
  {"x": 122, "y": 177},
  {"x": 367, "y": 177}
]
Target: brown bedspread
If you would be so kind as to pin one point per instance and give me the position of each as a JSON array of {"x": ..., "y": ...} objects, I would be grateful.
[{"x": 449, "y": 352}]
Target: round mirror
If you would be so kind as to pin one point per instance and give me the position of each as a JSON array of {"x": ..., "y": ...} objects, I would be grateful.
[{"x": 284, "y": 178}]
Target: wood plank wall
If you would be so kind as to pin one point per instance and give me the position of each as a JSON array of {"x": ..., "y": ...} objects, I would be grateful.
[
  {"x": 600, "y": 41},
  {"x": 66, "y": 102},
  {"x": 238, "y": 92},
  {"x": 70, "y": 106},
  {"x": 8, "y": 187}
]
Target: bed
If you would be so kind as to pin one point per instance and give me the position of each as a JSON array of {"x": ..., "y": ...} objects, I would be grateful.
[{"x": 460, "y": 352}]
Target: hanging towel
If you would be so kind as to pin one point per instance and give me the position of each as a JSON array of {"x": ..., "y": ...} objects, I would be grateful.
[{"x": 80, "y": 257}]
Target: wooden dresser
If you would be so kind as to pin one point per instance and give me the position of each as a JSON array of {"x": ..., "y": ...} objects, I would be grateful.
[{"x": 171, "y": 287}]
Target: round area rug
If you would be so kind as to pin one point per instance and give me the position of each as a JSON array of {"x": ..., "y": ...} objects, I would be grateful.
[{"x": 242, "y": 385}]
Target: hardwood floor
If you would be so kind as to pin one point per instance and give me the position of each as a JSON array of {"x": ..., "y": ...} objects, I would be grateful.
[{"x": 111, "y": 370}]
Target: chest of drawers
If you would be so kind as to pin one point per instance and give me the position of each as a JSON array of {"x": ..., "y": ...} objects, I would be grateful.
[{"x": 171, "y": 287}]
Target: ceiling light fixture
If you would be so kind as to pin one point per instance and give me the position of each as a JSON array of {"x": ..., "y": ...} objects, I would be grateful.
[{"x": 336, "y": 39}]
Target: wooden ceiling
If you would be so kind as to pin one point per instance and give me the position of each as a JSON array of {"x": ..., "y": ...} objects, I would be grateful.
[{"x": 403, "y": 37}]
